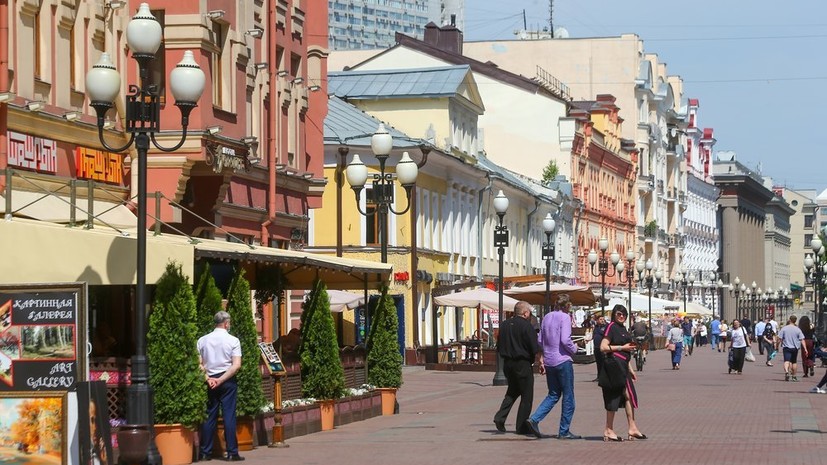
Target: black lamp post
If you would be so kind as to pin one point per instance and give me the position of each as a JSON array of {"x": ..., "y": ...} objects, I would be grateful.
[
  {"x": 816, "y": 266},
  {"x": 686, "y": 281},
  {"x": 629, "y": 276},
  {"x": 736, "y": 289},
  {"x": 548, "y": 256},
  {"x": 603, "y": 268},
  {"x": 783, "y": 301},
  {"x": 650, "y": 282},
  {"x": 500, "y": 242},
  {"x": 713, "y": 287},
  {"x": 381, "y": 143},
  {"x": 754, "y": 297},
  {"x": 143, "y": 109}
]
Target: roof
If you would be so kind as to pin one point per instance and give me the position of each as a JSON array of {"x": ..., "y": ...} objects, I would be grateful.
[
  {"x": 443, "y": 81},
  {"x": 346, "y": 124}
]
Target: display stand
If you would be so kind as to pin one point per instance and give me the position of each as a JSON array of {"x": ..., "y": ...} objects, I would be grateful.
[{"x": 275, "y": 368}]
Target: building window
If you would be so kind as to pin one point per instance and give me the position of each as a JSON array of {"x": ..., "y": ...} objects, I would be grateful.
[
  {"x": 217, "y": 70},
  {"x": 807, "y": 239},
  {"x": 158, "y": 66},
  {"x": 808, "y": 296},
  {"x": 38, "y": 52},
  {"x": 371, "y": 219},
  {"x": 808, "y": 221}
]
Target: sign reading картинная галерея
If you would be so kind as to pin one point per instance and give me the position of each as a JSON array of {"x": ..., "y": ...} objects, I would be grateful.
[{"x": 38, "y": 339}]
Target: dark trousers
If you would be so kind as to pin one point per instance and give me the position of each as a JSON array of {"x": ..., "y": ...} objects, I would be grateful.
[
  {"x": 223, "y": 396},
  {"x": 520, "y": 378},
  {"x": 738, "y": 354}
]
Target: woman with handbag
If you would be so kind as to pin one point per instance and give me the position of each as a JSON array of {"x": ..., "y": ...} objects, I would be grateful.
[
  {"x": 674, "y": 343},
  {"x": 738, "y": 343},
  {"x": 808, "y": 361},
  {"x": 618, "y": 376}
]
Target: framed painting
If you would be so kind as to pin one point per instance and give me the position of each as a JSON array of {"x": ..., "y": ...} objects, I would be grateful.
[
  {"x": 35, "y": 427},
  {"x": 93, "y": 424}
]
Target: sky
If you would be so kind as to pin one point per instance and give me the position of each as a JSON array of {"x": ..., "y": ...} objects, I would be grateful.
[{"x": 757, "y": 67}]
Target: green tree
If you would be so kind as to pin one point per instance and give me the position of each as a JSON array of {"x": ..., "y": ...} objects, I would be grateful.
[
  {"x": 207, "y": 301},
  {"x": 239, "y": 306},
  {"x": 323, "y": 376},
  {"x": 550, "y": 172},
  {"x": 174, "y": 364},
  {"x": 384, "y": 359}
]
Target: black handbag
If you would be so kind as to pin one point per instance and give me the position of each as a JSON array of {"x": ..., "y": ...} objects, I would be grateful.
[{"x": 612, "y": 376}]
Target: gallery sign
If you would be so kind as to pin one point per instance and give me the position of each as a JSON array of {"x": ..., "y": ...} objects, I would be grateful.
[
  {"x": 39, "y": 340},
  {"x": 32, "y": 153},
  {"x": 98, "y": 165}
]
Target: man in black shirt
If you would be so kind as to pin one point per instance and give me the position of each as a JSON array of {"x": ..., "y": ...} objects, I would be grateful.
[{"x": 517, "y": 344}]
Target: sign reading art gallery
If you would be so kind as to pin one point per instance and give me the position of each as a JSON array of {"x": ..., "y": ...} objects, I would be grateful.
[
  {"x": 32, "y": 153},
  {"x": 99, "y": 165},
  {"x": 39, "y": 337}
]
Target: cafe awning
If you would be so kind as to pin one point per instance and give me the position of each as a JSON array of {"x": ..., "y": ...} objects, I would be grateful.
[
  {"x": 299, "y": 267},
  {"x": 55, "y": 208},
  {"x": 40, "y": 252}
]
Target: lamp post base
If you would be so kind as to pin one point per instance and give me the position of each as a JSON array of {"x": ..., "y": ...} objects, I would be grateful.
[{"x": 499, "y": 376}]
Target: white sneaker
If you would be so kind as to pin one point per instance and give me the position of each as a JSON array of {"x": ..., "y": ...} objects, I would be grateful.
[{"x": 818, "y": 390}]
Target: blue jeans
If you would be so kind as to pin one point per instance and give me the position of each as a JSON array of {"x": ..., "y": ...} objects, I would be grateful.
[
  {"x": 560, "y": 380},
  {"x": 715, "y": 339},
  {"x": 223, "y": 396}
]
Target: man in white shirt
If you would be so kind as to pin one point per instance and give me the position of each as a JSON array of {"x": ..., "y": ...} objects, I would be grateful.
[
  {"x": 579, "y": 317},
  {"x": 759, "y": 333},
  {"x": 220, "y": 355}
]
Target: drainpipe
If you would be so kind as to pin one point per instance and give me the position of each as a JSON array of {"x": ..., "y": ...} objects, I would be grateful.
[
  {"x": 340, "y": 168},
  {"x": 578, "y": 209},
  {"x": 272, "y": 71},
  {"x": 414, "y": 213},
  {"x": 4, "y": 85},
  {"x": 480, "y": 225},
  {"x": 528, "y": 254}
]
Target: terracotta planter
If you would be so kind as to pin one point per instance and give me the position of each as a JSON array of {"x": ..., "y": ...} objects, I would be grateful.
[
  {"x": 243, "y": 434},
  {"x": 175, "y": 443},
  {"x": 327, "y": 408},
  {"x": 133, "y": 441},
  {"x": 388, "y": 400}
]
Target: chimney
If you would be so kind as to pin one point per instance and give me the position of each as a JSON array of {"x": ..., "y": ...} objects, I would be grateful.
[
  {"x": 450, "y": 39},
  {"x": 431, "y": 36}
]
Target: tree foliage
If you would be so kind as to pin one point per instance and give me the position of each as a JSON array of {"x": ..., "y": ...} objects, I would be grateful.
[
  {"x": 550, "y": 172},
  {"x": 38, "y": 424},
  {"x": 174, "y": 367},
  {"x": 323, "y": 376},
  {"x": 239, "y": 306},
  {"x": 384, "y": 359},
  {"x": 207, "y": 301},
  {"x": 270, "y": 284}
]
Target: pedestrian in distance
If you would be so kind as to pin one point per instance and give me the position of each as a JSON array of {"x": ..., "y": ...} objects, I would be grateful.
[
  {"x": 674, "y": 343},
  {"x": 686, "y": 326},
  {"x": 725, "y": 330},
  {"x": 738, "y": 343},
  {"x": 808, "y": 361},
  {"x": 792, "y": 339},
  {"x": 768, "y": 340},
  {"x": 517, "y": 345},
  {"x": 618, "y": 345},
  {"x": 715, "y": 332},
  {"x": 220, "y": 355},
  {"x": 759, "y": 332},
  {"x": 556, "y": 363}
]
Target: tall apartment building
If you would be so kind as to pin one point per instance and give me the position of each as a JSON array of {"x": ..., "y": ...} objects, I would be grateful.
[{"x": 371, "y": 24}]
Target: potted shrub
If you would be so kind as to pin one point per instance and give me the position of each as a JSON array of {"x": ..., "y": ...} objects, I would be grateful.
[
  {"x": 383, "y": 358},
  {"x": 174, "y": 367},
  {"x": 323, "y": 377},
  {"x": 250, "y": 395},
  {"x": 208, "y": 300}
]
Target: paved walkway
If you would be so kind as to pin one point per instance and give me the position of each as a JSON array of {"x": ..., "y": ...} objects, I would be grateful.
[{"x": 697, "y": 415}]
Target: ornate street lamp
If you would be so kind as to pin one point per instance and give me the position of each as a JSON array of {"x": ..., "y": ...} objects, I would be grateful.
[
  {"x": 736, "y": 291},
  {"x": 382, "y": 193},
  {"x": 142, "y": 122},
  {"x": 686, "y": 281},
  {"x": 754, "y": 296},
  {"x": 602, "y": 268},
  {"x": 500, "y": 242},
  {"x": 816, "y": 266},
  {"x": 629, "y": 277},
  {"x": 650, "y": 282},
  {"x": 548, "y": 256}
]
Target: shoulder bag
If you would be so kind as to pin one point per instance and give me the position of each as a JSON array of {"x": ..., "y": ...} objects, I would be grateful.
[{"x": 612, "y": 376}]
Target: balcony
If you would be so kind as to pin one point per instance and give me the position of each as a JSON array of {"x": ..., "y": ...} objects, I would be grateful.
[
  {"x": 660, "y": 187},
  {"x": 663, "y": 238},
  {"x": 645, "y": 183},
  {"x": 671, "y": 194}
]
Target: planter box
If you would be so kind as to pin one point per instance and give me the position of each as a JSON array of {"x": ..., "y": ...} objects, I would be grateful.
[{"x": 306, "y": 419}]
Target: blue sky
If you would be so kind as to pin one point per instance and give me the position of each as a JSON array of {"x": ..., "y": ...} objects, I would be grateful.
[{"x": 757, "y": 67}]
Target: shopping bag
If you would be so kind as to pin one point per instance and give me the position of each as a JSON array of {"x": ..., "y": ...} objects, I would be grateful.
[
  {"x": 749, "y": 357},
  {"x": 773, "y": 354}
]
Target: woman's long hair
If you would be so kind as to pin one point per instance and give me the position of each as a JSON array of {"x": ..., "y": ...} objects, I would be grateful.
[{"x": 805, "y": 327}]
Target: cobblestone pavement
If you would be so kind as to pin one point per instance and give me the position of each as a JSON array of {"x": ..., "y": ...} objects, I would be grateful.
[{"x": 697, "y": 415}]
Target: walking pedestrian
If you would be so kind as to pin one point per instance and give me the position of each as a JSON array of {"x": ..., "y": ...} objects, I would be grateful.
[
  {"x": 792, "y": 339},
  {"x": 220, "y": 355},
  {"x": 768, "y": 341},
  {"x": 686, "y": 326},
  {"x": 759, "y": 332},
  {"x": 715, "y": 331},
  {"x": 556, "y": 364},
  {"x": 674, "y": 343},
  {"x": 808, "y": 361},
  {"x": 738, "y": 343},
  {"x": 723, "y": 336},
  {"x": 517, "y": 345},
  {"x": 618, "y": 345}
]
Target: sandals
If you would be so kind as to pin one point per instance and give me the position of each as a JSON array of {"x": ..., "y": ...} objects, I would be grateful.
[
  {"x": 634, "y": 437},
  {"x": 612, "y": 439}
]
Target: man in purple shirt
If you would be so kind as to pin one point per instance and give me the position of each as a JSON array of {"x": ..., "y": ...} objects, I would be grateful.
[{"x": 556, "y": 364}]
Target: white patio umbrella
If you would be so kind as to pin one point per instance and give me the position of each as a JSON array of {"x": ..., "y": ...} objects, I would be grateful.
[{"x": 341, "y": 300}]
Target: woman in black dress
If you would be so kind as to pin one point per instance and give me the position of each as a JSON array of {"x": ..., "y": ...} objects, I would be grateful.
[{"x": 617, "y": 343}]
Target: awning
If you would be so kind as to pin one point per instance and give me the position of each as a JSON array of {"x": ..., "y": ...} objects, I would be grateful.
[
  {"x": 40, "y": 252},
  {"x": 301, "y": 268},
  {"x": 55, "y": 208},
  {"x": 536, "y": 293},
  {"x": 343, "y": 300},
  {"x": 481, "y": 297}
]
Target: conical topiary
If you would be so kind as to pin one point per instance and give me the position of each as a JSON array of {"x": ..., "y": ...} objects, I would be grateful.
[
  {"x": 250, "y": 395},
  {"x": 323, "y": 376},
  {"x": 384, "y": 359},
  {"x": 207, "y": 301},
  {"x": 174, "y": 368}
]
